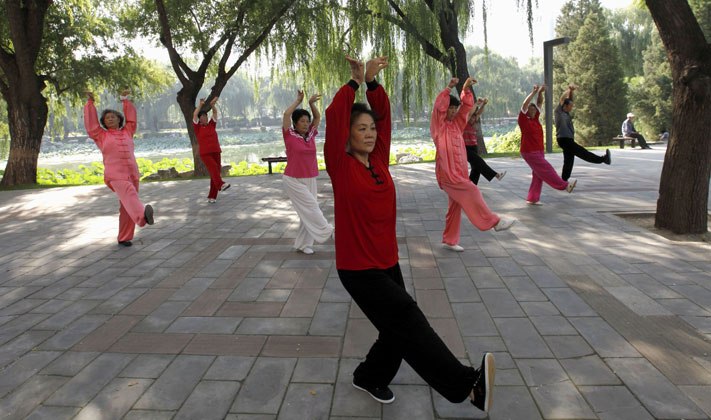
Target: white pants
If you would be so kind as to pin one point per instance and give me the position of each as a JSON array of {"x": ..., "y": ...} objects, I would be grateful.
[{"x": 313, "y": 226}]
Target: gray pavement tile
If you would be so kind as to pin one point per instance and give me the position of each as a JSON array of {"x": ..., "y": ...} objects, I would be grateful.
[
  {"x": 506, "y": 267},
  {"x": 264, "y": 388},
  {"x": 541, "y": 371},
  {"x": 521, "y": 338},
  {"x": 230, "y": 368},
  {"x": 307, "y": 401},
  {"x": 699, "y": 395},
  {"x": 508, "y": 377},
  {"x": 568, "y": 346},
  {"x": 66, "y": 316},
  {"x": 19, "y": 325},
  {"x": 274, "y": 326},
  {"x": 161, "y": 317},
  {"x": 74, "y": 332},
  {"x": 330, "y": 319},
  {"x": 657, "y": 394},
  {"x": 451, "y": 267},
  {"x": 350, "y": 402},
  {"x": 702, "y": 323},
  {"x": 118, "y": 301},
  {"x": 473, "y": 319},
  {"x": 477, "y": 346},
  {"x": 26, "y": 366},
  {"x": 53, "y": 413},
  {"x": 80, "y": 389},
  {"x": 485, "y": 277},
  {"x": 683, "y": 307},
  {"x": 568, "y": 302},
  {"x": 21, "y": 307},
  {"x": 209, "y": 400},
  {"x": 474, "y": 258},
  {"x": 333, "y": 291},
  {"x": 315, "y": 370},
  {"x": 523, "y": 289},
  {"x": 552, "y": 325},
  {"x": 170, "y": 390},
  {"x": 461, "y": 289},
  {"x": 513, "y": 403},
  {"x": 589, "y": 370},
  {"x": 147, "y": 366},
  {"x": 249, "y": 289},
  {"x": 614, "y": 402},
  {"x": 650, "y": 286},
  {"x": 500, "y": 303},
  {"x": 21, "y": 345},
  {"x": 561, "y": 401},
  {"x": 52, "y": 306},
  {"x": 539, "y": 309},
  {"x": 115, "y": 399},
  {"x": 192, "y": 289},
  {"x": 215, "y": 268},
  {"x": 149, "y": 415},
  {"x": 603, "y": 338},
  {"x": 411, "y": 401},
  {"x": 637, "y": 301},
  {"x": 204, "y": 324},
  {"x": 69, "y": 363},
  {"x": 110, "y": 288},
  {"x": 544, "y": 276},
  {"x": 406, "y": 375},
  {"x": 28, "y": 396},
  {"x": 697, "y": 294}
]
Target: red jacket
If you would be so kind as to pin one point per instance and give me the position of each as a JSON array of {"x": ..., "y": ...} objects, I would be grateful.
[
  {"x": 365, "y": 203},
  {"x": 207, "y": 137}
]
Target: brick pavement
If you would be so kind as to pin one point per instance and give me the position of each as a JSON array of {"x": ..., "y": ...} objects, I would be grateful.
[{"x": 212, "y": 315}]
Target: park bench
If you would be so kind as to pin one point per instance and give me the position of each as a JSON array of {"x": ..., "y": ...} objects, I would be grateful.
[
  {"x": 271, "y": 160},
  {"x": 622, "y": 140}
]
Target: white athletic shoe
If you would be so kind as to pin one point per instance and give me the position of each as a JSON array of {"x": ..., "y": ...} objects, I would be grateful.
[
  {"x": 534, "y": 203},
  {"x": 504, "y": 224},
  {"x": 211, "y": 200},
  {"x": 571, "y": 185},
  {"x": 501, "y": 175},
  {"x": 307, "y": 250},
  {"x": 452, "y": 247}
]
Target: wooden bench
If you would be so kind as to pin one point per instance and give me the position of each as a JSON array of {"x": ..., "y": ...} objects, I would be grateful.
[
  {"x": 271, "y": 160},
  {"x": 622, "y": 141}
]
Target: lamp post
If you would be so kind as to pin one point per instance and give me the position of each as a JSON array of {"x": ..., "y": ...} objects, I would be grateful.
[{"x": 548, "y": 79}]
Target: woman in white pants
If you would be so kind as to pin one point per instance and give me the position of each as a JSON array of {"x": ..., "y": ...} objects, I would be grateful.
[{"x": 301, "y": 172}]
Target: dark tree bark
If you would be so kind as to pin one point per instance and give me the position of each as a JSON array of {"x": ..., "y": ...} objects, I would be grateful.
[
  {"x": 682, "y": 206},
  {"x": 22, "y": 90}
]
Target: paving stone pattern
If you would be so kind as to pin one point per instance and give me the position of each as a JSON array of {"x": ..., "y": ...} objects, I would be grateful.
[{"x": 212, "y": 314}]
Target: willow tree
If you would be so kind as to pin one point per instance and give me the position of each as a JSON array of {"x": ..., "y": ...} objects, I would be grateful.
[
  {"x": 682, "y": 206},
  {"x": 423, "y": 38},
  {"x": 66, "y": 45},
  {"x": 213, "y": 38}
]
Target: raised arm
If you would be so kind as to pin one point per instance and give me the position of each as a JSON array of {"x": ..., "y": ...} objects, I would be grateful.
[
  {"x": 439, "y": 110},
  {"x": 475, "y": 108},
  {"x": 480, "y": 110},
  {"x": 338, "y": 118},
  {"x": 91, "y": 120},
  {"x": 314, "y": 110},
  {"x": 286, "y": 121},
  {"x": 380, "y": 104},
  {"x": 467, "y": 97},
  {"x": 541, "y": 96},
  {"x": 129, "y": 111},
  {"x": 568, "y": 94},
  {"x": 197, "y": 110},
  {"x": 213, "y": 104},
  {"x": 529, "y": 98}
]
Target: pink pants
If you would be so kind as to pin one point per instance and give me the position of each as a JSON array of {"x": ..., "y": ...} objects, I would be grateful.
[
  {"x": 467, "y": 197},
  {"x": 132, "y": 211},
  {"x": 541, "y": 171},
  {"x": 213, "y": 165}
]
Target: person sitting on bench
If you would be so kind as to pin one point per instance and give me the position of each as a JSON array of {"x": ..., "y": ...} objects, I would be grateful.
[{"x": 628, "y": 130}]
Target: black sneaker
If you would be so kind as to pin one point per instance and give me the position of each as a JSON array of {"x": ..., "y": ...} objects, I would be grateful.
[
  {"x": 125, "y": 243},
  {"x": 382, "y": 395},
  {"x": 484, "y": 384},
  {"x": 148, "y": 214},
  {"x": 608, "y": 157}
]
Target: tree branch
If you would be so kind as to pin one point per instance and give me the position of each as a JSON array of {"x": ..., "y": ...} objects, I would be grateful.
[
  {"x": 197, "y": 25},
  {"x": 181, "y": 69}
]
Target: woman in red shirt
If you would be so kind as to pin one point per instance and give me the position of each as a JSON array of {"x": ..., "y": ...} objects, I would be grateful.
[
  {"x": 477, "y": 164},
  {"x": 357, "y": 153},
  {"x": 210, "y": 151}
]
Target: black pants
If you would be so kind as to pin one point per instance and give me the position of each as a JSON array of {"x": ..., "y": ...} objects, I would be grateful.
[
  {"x": 571, "y": 149},
  {"x": 641, "y": 140},
  {"x": 478, "y": 165},
  {"x": 404, "y": 333}
]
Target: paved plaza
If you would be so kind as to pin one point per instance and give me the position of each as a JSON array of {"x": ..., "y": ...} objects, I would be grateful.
[{"x": 211, "y": 314}]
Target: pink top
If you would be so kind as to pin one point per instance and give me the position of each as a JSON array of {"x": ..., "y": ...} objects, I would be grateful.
[
  {"x": 116, "y": 145},
  {"x": 469, "y": 134},
  {"x": 451, "y": 159},
  {"x": 300, "y": 153}
]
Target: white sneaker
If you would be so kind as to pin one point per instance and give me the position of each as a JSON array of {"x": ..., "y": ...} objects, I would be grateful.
[
  {"x": 307, "y": 250},
  {"x": 211, "y": 200},
  {"x": 501, "y": 175},
  {"x": 571, "y": 185},
  {"x": 504, "y": 224},
  {"x": 452, "y": 247},
  {"x": 224, "y": 186},
  {"x": 534, "y": 203}
]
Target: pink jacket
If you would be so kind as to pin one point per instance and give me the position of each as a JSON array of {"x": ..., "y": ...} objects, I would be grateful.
[
  {"x": 451, "y": 159},
  {"x": 116, "y": 144}
]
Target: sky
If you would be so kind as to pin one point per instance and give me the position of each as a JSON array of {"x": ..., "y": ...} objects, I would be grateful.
[{"x": 506, "y": 28}]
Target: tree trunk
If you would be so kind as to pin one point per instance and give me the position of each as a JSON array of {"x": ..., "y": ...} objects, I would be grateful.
[
  {"x": 186, "y": 99},
  {"x": 27, "y": 116},
  {"x": 682, "y": 206}
]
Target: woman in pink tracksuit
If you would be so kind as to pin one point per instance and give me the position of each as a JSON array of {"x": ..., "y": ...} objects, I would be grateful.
[
  {"x": 448, "y": 121},
  {"x": 115, "y": 140}
]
